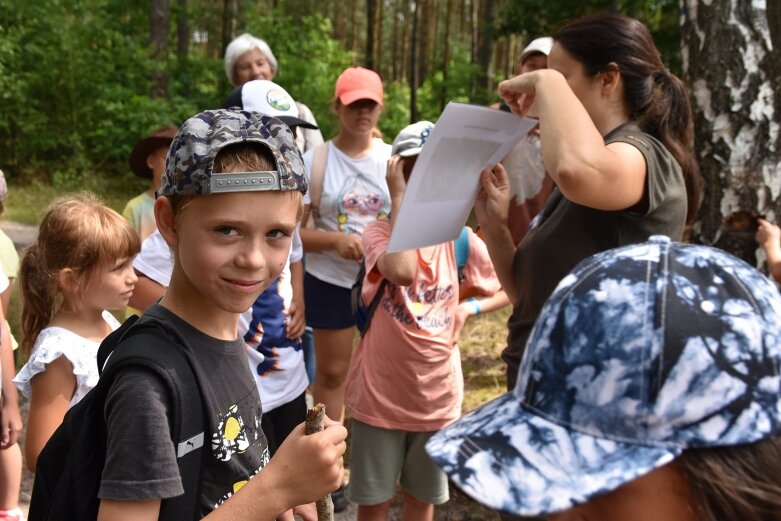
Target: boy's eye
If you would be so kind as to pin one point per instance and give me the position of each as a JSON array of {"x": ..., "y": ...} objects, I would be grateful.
[{"x": 277, "y": 234}]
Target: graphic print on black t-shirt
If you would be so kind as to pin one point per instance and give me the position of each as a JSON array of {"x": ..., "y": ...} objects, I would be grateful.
[{"x": 238, "y": 447}]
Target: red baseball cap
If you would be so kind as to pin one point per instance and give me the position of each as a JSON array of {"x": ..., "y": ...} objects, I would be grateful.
[{"x": 358, "y": 83}]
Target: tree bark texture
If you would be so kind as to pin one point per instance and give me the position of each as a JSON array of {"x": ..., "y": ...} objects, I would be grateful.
[
  {"x": 230, "y": 7},
  {"x": 371, "y": 10},
  {"x": 379, "y": 50},
  {"x": 395, "y": 43},
  {"x": 446, "y": 56},
  {"x": 734, "y": 80},
  {"x": 182, "y": 30},
  {"x": 405, "y": 42},
  {"x": 158, "y": 37},
  {"x": 423, "y": 18},
  {"x": 486, "y": 43},
  {"x": 413, "y": 66}
]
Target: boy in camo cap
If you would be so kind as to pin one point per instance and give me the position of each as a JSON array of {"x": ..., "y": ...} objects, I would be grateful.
[
  {"x": 229, "y": 201},
  {"x": 649, "y": 390}
]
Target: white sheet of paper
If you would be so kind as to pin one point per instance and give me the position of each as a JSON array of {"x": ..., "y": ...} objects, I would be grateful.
[{"x": 445, "y": 180}]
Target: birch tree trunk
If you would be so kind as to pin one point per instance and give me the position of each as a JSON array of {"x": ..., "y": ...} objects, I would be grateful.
[{"x": 734, "y": 78}]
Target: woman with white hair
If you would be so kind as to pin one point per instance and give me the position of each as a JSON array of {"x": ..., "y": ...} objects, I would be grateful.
[{"x": 249, "y": 58}]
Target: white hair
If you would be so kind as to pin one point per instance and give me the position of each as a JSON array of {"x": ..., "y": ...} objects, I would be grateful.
[{"x": 240, "y": 45}]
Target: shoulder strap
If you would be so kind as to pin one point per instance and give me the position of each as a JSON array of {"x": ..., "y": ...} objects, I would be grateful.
[
  {"x": 153, "y": 346},
  {"x": 372, "y": 307},
  {"x": 319, "y": 158},
  {"x": 462, "y": 251}
]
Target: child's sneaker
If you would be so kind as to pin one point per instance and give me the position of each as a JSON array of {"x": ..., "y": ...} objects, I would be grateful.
[{"x": 15, "y": 514}]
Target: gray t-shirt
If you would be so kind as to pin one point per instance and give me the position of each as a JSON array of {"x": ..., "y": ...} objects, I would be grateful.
[
  {"x": 140, "y": 456},
  {"x": 567, "y": 233}
]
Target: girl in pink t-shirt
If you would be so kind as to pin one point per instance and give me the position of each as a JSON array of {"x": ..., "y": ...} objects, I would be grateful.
[{"x": 405, "y": 380}]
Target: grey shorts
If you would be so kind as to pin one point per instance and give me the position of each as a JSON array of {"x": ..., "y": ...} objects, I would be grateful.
[{"x": 380, "y": 458}]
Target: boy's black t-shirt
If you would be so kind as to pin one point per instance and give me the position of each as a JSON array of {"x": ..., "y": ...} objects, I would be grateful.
[{"x": 141, "y": 458}]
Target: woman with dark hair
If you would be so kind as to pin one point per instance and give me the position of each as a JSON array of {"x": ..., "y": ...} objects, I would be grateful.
[
  {"x": 616, "y": 131},
  {"x": 616, "y": 134}
]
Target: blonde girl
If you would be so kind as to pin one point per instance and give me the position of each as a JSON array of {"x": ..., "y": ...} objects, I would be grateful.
[{"x": 79, "y": 267}]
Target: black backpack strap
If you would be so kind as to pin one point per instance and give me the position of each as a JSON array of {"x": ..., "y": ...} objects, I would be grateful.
[
  {"x": 152, "y": 345},
  {"x": 373, "y": 305}
]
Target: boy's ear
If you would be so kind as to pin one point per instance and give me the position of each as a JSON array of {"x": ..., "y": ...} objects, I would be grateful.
[{"x": 166, "y": 221}]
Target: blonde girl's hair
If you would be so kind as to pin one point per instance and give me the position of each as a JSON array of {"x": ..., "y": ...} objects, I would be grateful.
[{"x": 78, "y": 232}]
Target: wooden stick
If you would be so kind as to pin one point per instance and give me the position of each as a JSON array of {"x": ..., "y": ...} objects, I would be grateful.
[{"x": 315, "y": 422}]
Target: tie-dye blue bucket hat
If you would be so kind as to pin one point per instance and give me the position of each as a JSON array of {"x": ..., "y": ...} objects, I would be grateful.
[
  {"x": 640, "y": 353},
  {"x": 190, "y": 162}
]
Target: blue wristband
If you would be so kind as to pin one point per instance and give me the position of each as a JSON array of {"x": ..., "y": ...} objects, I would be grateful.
[{"x": 475, "y": 305}]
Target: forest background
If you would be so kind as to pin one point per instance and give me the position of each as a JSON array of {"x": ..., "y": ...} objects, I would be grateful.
[{"x": 82, "y": 80}]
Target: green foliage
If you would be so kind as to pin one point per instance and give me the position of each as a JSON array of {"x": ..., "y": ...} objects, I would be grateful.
[
  {"x": 396, "y": 110},
  {"x": 540, "y": 17},
  {"x": 76, "y": 76},
  {"x": 77, "y": 73}
]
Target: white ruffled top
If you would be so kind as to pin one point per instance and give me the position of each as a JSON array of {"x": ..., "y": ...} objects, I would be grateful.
[{"x": 54, "y": 342}]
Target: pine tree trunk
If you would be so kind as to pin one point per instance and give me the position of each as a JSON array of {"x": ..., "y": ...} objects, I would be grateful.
[
  {"x": 182, "y": 30},
  {"x": 734, "y": 81},
  {"x": 379, "y": 60},
  {"x": 486, "y": 42},
  {"x": 371, "y": 6},
  {"x": 395, "y": 41},
  {"x": 423, "y": 17},
  {"x": 228, "y": 23},
  {"x": 413, "y": 65},
  {"x": 433, "y": 24},
  {"x": 337, "y": 20},
  {"x": 354, "y": 26},
  {"x": 158, "y": 36},
  {"x": 446, "y": 56},
  {"x": 405, "y": 37}
]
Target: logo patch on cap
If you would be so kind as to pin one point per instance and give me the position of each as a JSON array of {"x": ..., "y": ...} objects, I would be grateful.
[
  {"x": 424, "y": 134},
  {"x": 279, "y": 99}
]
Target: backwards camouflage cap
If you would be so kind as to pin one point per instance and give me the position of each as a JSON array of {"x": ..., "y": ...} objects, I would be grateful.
[
  {"x": 640, "y": 353},
  {"x": 190, "y": 162}
]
